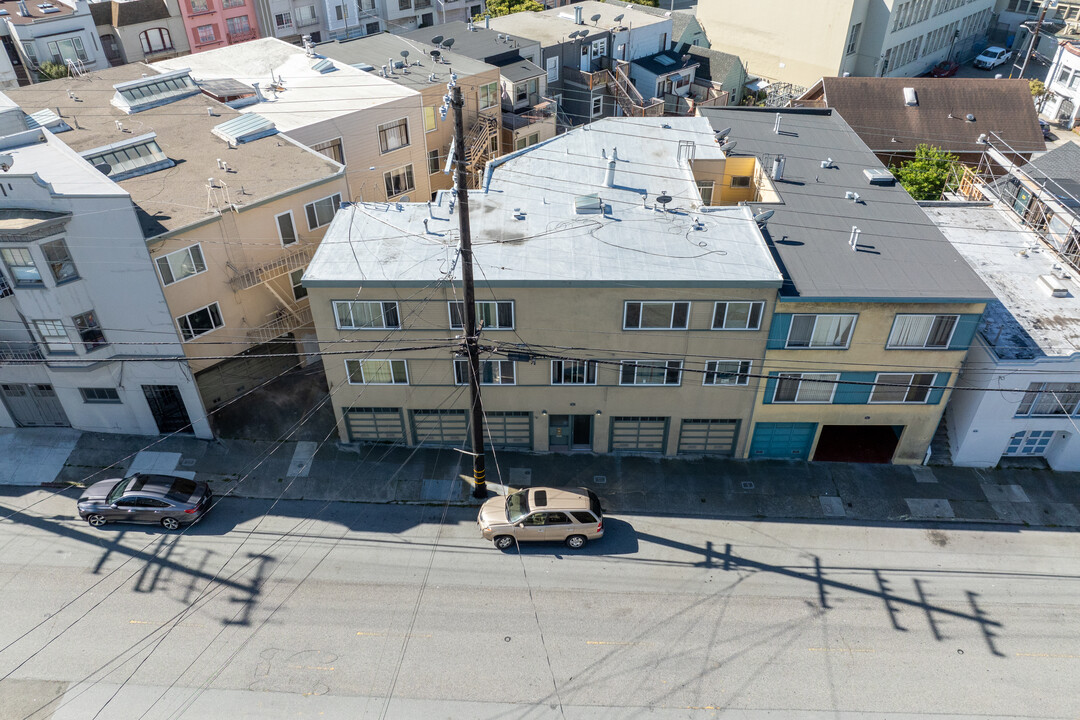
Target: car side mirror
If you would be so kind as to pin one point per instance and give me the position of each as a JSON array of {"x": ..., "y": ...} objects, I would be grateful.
[{"x": 520, "y": 524}]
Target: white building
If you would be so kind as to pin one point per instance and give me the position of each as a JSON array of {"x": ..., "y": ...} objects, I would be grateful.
[
  {"x": 1063, "y": 85},
  {"x": 348, "y": 19},
  {"x": 74, "y": 349}
]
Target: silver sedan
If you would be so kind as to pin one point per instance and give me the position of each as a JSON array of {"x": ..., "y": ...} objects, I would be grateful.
[{"x": 151, "y": 499}]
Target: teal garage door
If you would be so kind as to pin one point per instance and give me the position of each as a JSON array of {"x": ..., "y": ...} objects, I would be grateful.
[{"x": 783, "y": 440}]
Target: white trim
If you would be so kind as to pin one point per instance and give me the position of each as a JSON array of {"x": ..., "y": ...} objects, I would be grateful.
[
  {"x": 802, "y": 377},
  {"x": 378, "y": 135},
  {"x": 924, "y": 346},
  {"x": 787, "y": 342},
  {"x": 450, "y": 315},
  {"x": 313, "y": 203},
  {"x": 348, "y": 374},
  {"x": 382, "y": 313},
  {"x": 513, "y": 366},
  {"x": 292, "y": 221},
  {"x": 176, "y": 252},
  {"x": 726, "y": 303},
  {"x": 671, "y": 319},
  {"x": 739, "y": 374},
  {"x": 192, "y": 312},
  {"x": 895, "y": 386},
  {"x": 638, "y": 363},
  {"x": 595, "y": 367}
]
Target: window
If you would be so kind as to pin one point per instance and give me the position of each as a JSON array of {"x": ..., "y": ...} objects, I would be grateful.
[
  {"x": 306, "y": 15},
  {"x": 372, "y": 28},
  {"x": 298, "y": 290},
  {"x": 31, "y": 52},
  {"x": 430, "y": 114},
  {"x": 597, "y": 105},
  {"x": 155, "y": 40},
  {"x": 656, "y": 315},
  {"x": 489, "y": 95},
  {"x": 853, "y": 38},
  {"x": 89, "y": 331},
  {"x": 705, "y": 191},
  {"x": 650, "y": 372},
  {"x": 377, "y": 372},
  {"x": 727, "y": 372},
  {"x": 237, "y": 25},
  {"x": 199, "y": 6},
  {"x": 922, "y": 331},
  {"x": 321, "y": 212},
  {"x": 433, "y": 163},
  {"x": 283, "y": 20},
  {"x": 491, "y": 314},
  {"x": 20, "y": 264},
  {"x": 200, "y": 322},
  {"x": 404, "y": 4},
  {"x": 54, "y": 336},
  {"x": 286, "y": 229},
  {"x": 394, "y": 135},
  {"x": 492, "y": 372},
  {"x": 398, "y": 181},
  {"x": 902, "y": 387},
  {"x": 99, "y": 395},
  {"x": 573, "y": 372},
  {"x": 204, "y": 34},
  {"x": 737, "y": 315},
  {"x": 181, "y": 264},
  {"x": 1050, "y": 399},
  {"x": 5, "y": 289},
  {"x": 820, "y": 331},
  {"x": 599, "y": 48},
  {"x": 805, "y": 387},
  {"x": 366, "y": 315},
  {"x": 129, "y": 159},
  {"x": 331, "y": 149},
  {"x": 740, "y": 181},
  {"x": 232, "y": 3},
  {"x": 68, "y": 49}
]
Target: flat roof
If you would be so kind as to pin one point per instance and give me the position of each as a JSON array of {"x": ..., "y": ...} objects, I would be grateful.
[
  {"x": 551, "y": 27},
  {"x": 379, "y": 50},
  {"x": 310, "y": 96},
  {"x": 519, "y": 69},
  {"x": 901, "y": 255},
  {"x": 527, "y": 231},
  {"x": 40, "y": 152},
  {"x": 1026, "y": 321},
  {"x": 173, "y": 198},
  {"x": 479, "y": 43}
]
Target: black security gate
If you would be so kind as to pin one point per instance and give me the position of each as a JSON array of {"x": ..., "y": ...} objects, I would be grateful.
[{"x": 168, "y": 408}]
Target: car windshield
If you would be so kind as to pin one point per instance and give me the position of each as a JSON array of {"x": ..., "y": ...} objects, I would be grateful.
[
  {"x": 118, "y": 492},
  {"x": 517, "y": 506}
]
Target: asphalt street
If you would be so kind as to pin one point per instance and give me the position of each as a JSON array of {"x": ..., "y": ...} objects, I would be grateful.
[{"x": 306, "y": 609}]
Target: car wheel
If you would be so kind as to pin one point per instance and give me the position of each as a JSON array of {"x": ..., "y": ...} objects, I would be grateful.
[
  {"x": 504, "y": 542},
  {"x": 96, "y": 520},
  {"x": 170, "y": 523},
  {"x": 576, "y": 542}
]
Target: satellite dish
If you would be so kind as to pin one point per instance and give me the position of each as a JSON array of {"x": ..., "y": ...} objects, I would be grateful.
[
  {"x": 728, "y": 146},
  {"x": 664, "y": 199},
  {"x": 436, "y": 40},
  {"x": 761, "y": 218},
  {"x": 405, "y": 54},
  {"x": 448, "y": 43},
  {"x": 595, "y": 18},
  {"x": 435, "y": 54},
  {"x": 724, "y": 133},
  {"x": 618, "y": 18},
  {"x": 573, "y": 34},
  {"x": 405, "y": 199},
  {"x": 583, "y": 32}
]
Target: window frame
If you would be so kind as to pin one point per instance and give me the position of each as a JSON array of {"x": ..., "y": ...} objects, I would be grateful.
[
  {"x": 494, "y": 96},
  {"x": 86, "y": 393},
  {"x": 641, "y": 314},
  {"x": 408, "y": 172},
  {"x": 292, "y": 223},
  {"x": 801, "y": 378},
  {"x": 91, "y": 334},
  {"x": 383, "y": 307},
  {"x": 847, "y": 344},
  {"x": 669, "y": 366},
  {"x": 64, "y": 346},
  {"x": 741, "y": 376},
  {"x": 335, "y": 205},
  {"x": 163, "y": 36},
  {"x": 210, "y": 313},
  {"x": 384, "y": 145},
  {"x": 593, "y": 109},
  {"x": 461, "y": 376},
  {"x": 321, "y": 147},
  {"x": 894, "y": 386},
  {"x": 403, "y": 366},
  {"x": 166, "y": 256},
  {"x": 452, "y": 304},
  {"x": 929, "y": 332},
  {"x": 760, "y": 307},
  {"x": 741, "y": 182},
  {"x": 434, "y": 162},
  {"x": 16, "y": 282},
  {"x": 298, "y": 290},
  {"x": 1034, "y": 394},
  {"x": 431, "y": 113},
  {"x": 202, "y": 38},
  {"x": 589, "y": 369}
]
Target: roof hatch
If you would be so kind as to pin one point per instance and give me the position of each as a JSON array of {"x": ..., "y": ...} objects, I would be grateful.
[
  {"x": 244, "y": 128},
  {"x": 148, "y": 92}
]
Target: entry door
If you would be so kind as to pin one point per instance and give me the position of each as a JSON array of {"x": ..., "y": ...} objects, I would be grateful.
[
  {"x": 1029, "y": 443},
  {"x": 34, "y": 405},
  {"x": 586, "y": 65},
  {"x": 168, "y": 408},
  {"x": 581, "y": 435},
  {"x": 553, "y": 69},
  {"x": 558, "y": 433}
]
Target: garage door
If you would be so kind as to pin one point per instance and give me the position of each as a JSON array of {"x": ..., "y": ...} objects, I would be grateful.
[
  {"x": 509, "y": 429},
  {"x": 374, "y": 425},
  {"x": 34, "y": 405},
  {"x": 638, "y": 434},
  {"x": 783, "y": 440},
  {"x": 708, "y": 437},
  {"x": 440, "y": 427}
]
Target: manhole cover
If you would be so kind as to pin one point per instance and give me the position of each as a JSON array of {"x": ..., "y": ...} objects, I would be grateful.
[
  {"x": 747, "y": 485},
  {"x": 599, "y": 479},
  {"x": 188, "y": 462}
]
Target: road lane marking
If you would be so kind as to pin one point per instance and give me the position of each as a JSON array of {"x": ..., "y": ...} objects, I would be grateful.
[
  {"x": 847, "y": 650},
  {"x": 311, "y": 667},
  {"x": 1048, "y": 655},
  {"x": 384, "y": 634},
  {"x": 610, "y": 642}
]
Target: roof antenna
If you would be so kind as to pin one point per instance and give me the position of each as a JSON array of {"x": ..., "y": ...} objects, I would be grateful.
[{"x": 854, "y": 241}]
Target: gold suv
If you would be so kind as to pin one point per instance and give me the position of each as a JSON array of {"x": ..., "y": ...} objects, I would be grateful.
[{"x": 570, "y": 515}]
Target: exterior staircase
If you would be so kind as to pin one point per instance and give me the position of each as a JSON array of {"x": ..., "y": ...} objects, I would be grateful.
[
  {"x": 249, "y": 277},
  {"x": 632, "y": 103},
  {"x": 285, "y": 320}
]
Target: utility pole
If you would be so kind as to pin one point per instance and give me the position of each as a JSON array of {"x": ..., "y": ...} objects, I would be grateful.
[
  {"x": 1034, "y": 37},
  {"x": 472, "y": 348}
]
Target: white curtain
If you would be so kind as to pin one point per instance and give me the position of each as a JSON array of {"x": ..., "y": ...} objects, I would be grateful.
[{"x": 911, "y": 330}]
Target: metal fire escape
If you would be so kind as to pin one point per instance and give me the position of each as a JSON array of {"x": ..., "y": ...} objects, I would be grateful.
[{"x": 290, "y": 314}]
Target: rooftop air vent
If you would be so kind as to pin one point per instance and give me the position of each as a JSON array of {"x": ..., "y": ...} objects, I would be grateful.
[
  {"x": 324, "y": 66},
  {"x": 879, "y": 176},
  {"x": 910, "y": 98},
  {"x": 1054, "y": 285},
  {"x": 588, "y": 205}
]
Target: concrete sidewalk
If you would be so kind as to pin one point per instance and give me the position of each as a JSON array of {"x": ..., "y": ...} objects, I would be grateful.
[{"x": 774, "y": 489}]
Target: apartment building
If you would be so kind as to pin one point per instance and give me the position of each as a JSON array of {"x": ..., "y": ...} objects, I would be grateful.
[
  {"x": 140, "y": 30},
  {"x": 358, "y": 118},
  {"x": 596, "y": 240},
  {"x": 230, "y": 210},
  {"x": 587, "y": 50},
  {"x": 1063, "y": 85},
  {"x": 801, "y": 41},
  {"x": 61, "y": 32},
  {"x": 212, "y": 24},
  {"x": 426, "y": 69},
  {"x": 349, "y": 19},
  {"x": 1011, "y": 13},
  {"x": 529, "y": 110},
  {"x": 291, "y": 20},
  {"x": 86, "y": 337},
  {"x": 877, "y": 310}
]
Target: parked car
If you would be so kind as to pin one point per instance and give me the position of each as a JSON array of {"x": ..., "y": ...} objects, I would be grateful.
[
  {"x": 1045, "y": 127},
  {"x": 569, "y": 515},
  {"x": 991, "y": 57},
  {"x": 152, "y": 499},
  {"x": 944, "y": 69}
]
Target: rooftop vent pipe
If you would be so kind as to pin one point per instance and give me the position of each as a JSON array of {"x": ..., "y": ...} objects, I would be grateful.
[
  {"x": 577, "y": 16},
  {"x": 854, "y": 241},
  {"x": 258, "y": 92},
  {"x": 776, "y": 125},
  {"x": 609, "y": 178},
  {"x": 778, "y": 167}
]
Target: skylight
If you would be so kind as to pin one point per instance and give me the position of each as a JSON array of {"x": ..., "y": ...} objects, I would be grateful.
[
  {"x": 323, "y": 66},
  {"x": 142, "y": 94},
  {"x": 46, "y": 119},
  {"x": 129, "y": 158},
  {"x": 664, "y": 60},
  {"x": 244, "y": 128},
  {"x": 588, "y": 205}
]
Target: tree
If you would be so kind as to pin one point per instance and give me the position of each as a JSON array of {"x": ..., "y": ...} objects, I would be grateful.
[
  {"x": 52, "y": 70},
  {"x": 650, "y": 3},
  {"x": 498, "y": 8},
  {"x": 927, "y": 176}
]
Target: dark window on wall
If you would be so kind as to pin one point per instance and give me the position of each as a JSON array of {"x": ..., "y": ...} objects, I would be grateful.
[
  {"x": 60, "y": 262},
  {"x": 100, "y": 395},
  {"x": 89, "y": 331}
]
